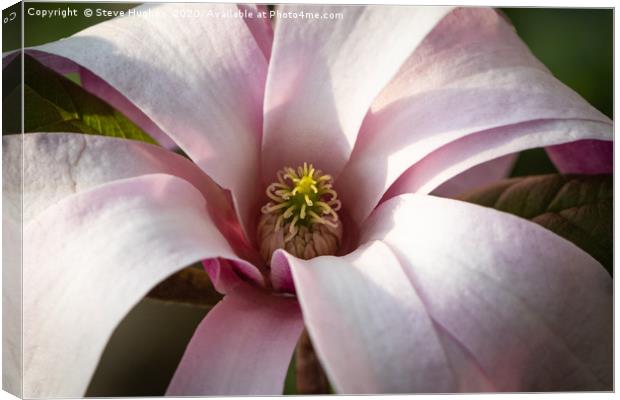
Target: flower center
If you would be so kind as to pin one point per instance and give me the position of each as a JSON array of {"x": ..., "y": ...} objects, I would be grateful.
[{"x": 301, "y": 214}]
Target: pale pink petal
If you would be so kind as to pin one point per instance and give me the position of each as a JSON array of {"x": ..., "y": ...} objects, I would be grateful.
[
  {"x": 468, "y": 374},
  {"x": 90, "y": 258},
  {"x": 532, "y": 309},
  {"x": 324, "y": 73},
  {"x": 478, "y": 176},
  {"x": 261, "y": 28},
  {"x": 57, "y": 165},
  {"x": 471, "y": 73},
  {"x": 200, "y": 78},
  {"x": 583, "y": 157},
  {"x": 101, "y": 89},
  {"x": 368, "y": 325},
  {"x": 472, "y": 150},
  {"x": 242, "y": 347},
  {"x": 60, "y": 164}
]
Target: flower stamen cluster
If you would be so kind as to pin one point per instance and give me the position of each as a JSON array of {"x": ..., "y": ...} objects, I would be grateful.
[{"x": 302, "y": 212}]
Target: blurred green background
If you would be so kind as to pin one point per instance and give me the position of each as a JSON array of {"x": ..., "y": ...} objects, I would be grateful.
[{"x": 576, "y": 45}]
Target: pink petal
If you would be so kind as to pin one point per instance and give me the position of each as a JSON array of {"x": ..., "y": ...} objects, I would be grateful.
[
  {"x": 532, "y": 309},
  {"x": 472, "y": 150},
  {"x": 226, "y": 275},
  {"x": 59, "y": 64},
  {"x": 199, "y": 78},
  {"x": 242, "y": 347},
  {"x": 223, "y": 278},
  {"x": 324, "y": 74},
  {"x": 281, "y": 276},
  {"x": 8, "y": 57},
  {"x": 91, "y": 257},
  {"x": 368, "y": 325},
  {"x": 478, "y": 176},
  {"x": 583, "y": 157},
  {"x": 471, "y": 73}
]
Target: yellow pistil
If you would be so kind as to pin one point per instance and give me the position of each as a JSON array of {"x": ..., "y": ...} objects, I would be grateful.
[{"x": 301, "y": 215}]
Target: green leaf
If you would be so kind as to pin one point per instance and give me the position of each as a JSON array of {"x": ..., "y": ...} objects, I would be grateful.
[
  {"x": 54, "y": 103},
  {"x": 577, "y": 207}
]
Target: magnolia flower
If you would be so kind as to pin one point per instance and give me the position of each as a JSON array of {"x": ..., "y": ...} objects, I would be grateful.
[{"x": 328, "y": 136}]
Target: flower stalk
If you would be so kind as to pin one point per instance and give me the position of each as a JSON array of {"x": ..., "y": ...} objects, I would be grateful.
[{"x": 310, "y": 376}]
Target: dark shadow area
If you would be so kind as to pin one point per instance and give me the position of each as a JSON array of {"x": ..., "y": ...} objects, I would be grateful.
[
  {"x": 145, "y": 349},
  {"x": 533, "y": 162},
  {"x": 11, "y": 27},
  {"x": 12, "y": 97}
]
